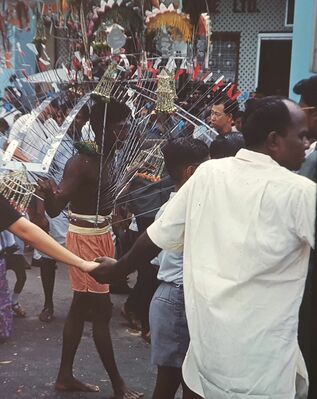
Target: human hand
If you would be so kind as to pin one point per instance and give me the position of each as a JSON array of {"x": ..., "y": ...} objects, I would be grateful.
[
  {"x": 47, "y": 186},
  {"x": 106, "y": 272},
  {"x": 89, "y": 266}
]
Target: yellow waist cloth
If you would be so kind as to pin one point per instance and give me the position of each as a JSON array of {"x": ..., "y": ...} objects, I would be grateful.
[{"x": 89, "y": 231}]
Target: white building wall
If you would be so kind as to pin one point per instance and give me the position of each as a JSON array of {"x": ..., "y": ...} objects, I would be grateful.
[{"x": 271, "y": 18}]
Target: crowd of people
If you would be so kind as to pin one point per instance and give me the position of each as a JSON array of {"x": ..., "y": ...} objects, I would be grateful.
[{"x": 221, "y": 242}]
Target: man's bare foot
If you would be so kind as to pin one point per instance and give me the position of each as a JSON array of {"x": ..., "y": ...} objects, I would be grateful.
[
  {"x": 126, "y": 393},
  {"x": 74, "y": 385}
]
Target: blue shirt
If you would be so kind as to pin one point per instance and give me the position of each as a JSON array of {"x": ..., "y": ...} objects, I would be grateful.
[{"x": 170, "y": 263}]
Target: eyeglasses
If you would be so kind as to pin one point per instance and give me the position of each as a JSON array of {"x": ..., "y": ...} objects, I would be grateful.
[{"x": 216, "y": 114}]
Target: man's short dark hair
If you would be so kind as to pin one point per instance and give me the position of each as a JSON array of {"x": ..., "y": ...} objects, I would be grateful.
[
  {"x": 307, "y": 89},
  {"x": 263, "y": 116},
  {"x": 226, "y": 145},
  {"x": 182, "y": 152},
  {"x": 229, "y": 106},
  {"x": 116, "y": 112}
]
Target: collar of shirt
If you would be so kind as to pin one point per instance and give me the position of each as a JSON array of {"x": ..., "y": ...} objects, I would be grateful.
[{"x": 252, "y": 156}]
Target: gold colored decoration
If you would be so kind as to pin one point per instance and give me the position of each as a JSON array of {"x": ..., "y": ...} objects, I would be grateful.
[
  {"x": 179, "y": 23},
  {"x": 166, "y": 92},
  {"x": 150, "y": 163},
  {"x": 173, "y": 87},
  {"x": 106, "y": 83},
  {"x": 16, "y": 188},
  {"x": 83, "y": 28}
]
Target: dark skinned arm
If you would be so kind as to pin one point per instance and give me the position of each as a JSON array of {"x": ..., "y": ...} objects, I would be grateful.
[
  {"x": 110, "y": 271},
  {"x": 58, "y": 196},
  {"x": 36, "y": 213}
]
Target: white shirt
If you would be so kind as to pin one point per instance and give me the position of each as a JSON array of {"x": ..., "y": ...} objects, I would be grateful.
[
  {"x": 246, "y": 225},
  {"x": 87, "y": 134}
]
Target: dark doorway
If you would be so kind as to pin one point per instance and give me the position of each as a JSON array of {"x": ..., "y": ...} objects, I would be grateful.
[{"x": 274, "y": 66}]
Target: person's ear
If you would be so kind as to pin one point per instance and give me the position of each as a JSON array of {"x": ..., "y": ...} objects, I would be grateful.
[
  {"x": 273, "y": 141},
  {"x": 189, "y": 171}
]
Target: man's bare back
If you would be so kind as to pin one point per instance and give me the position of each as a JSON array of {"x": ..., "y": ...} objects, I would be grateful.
[{"x": 80, "y": 187}]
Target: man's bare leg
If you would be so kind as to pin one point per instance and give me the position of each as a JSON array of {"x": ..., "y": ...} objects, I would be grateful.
[
  {"x": 101, "y": 334},
  {"x": 72, "y": 333},
  {"x": 168, "y": 380},
  {"x": 187, "y": 393}
]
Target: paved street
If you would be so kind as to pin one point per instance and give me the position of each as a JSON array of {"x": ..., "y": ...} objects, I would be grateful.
[{"x": 29, "y": 361}]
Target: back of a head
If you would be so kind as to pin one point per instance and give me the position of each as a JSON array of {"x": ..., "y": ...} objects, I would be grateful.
[
  {"x": 116, "y": 112},
  {"x": 264, "y": 116},
  {"x": 182, "y": 152},
  {"x": 307, "y": 89},
  {"x": 226, "y": 145}
]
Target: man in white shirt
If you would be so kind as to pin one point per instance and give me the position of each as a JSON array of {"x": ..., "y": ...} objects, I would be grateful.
[{"x": 246, "y": 225}]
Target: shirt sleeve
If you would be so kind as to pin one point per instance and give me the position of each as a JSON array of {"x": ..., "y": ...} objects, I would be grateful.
[
  {"x": 8, "y": 215},
  {"x": 306, "y": 214},
  {"x": 167, "y": 232}
]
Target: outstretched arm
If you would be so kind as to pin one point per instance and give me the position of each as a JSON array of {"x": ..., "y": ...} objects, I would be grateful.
[
  {"x": 31, "y": 233},
  {"x": 165, "y": 233},
  {"x": 143, "y": 250}
]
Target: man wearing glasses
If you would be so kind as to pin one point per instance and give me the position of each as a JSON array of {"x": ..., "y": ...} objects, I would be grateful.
[{"x": 222, "y": 114}]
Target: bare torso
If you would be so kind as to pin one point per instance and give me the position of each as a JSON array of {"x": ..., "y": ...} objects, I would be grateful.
[{"x": 81, "y": 186}]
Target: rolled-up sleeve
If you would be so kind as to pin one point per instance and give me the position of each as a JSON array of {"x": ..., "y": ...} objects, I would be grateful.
[
  {"x": 167, "y": 232},
  {"x": 306, "y": 214}
]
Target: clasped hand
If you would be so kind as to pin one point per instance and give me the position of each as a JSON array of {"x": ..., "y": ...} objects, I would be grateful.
[{"x": 106, "y": 272}]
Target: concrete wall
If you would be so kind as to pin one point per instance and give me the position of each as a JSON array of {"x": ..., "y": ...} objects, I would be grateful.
[{"x": 305, "y": 16}]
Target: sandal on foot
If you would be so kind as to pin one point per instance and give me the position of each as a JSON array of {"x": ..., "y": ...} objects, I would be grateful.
[
  {"x": 18, "y": 310},
  {"x": 46, "y": 315}
]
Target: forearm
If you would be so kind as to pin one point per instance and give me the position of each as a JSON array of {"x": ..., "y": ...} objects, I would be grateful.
[
  {"x": 31, "y": 233},
  {"x": 111, "y": 271},
  {"x": 142, "y": 252}
]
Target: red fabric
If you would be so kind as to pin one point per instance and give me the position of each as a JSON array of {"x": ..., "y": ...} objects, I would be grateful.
[
  {"x": 196, "y": 72},
  {"x": 88, "y": 248}
]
